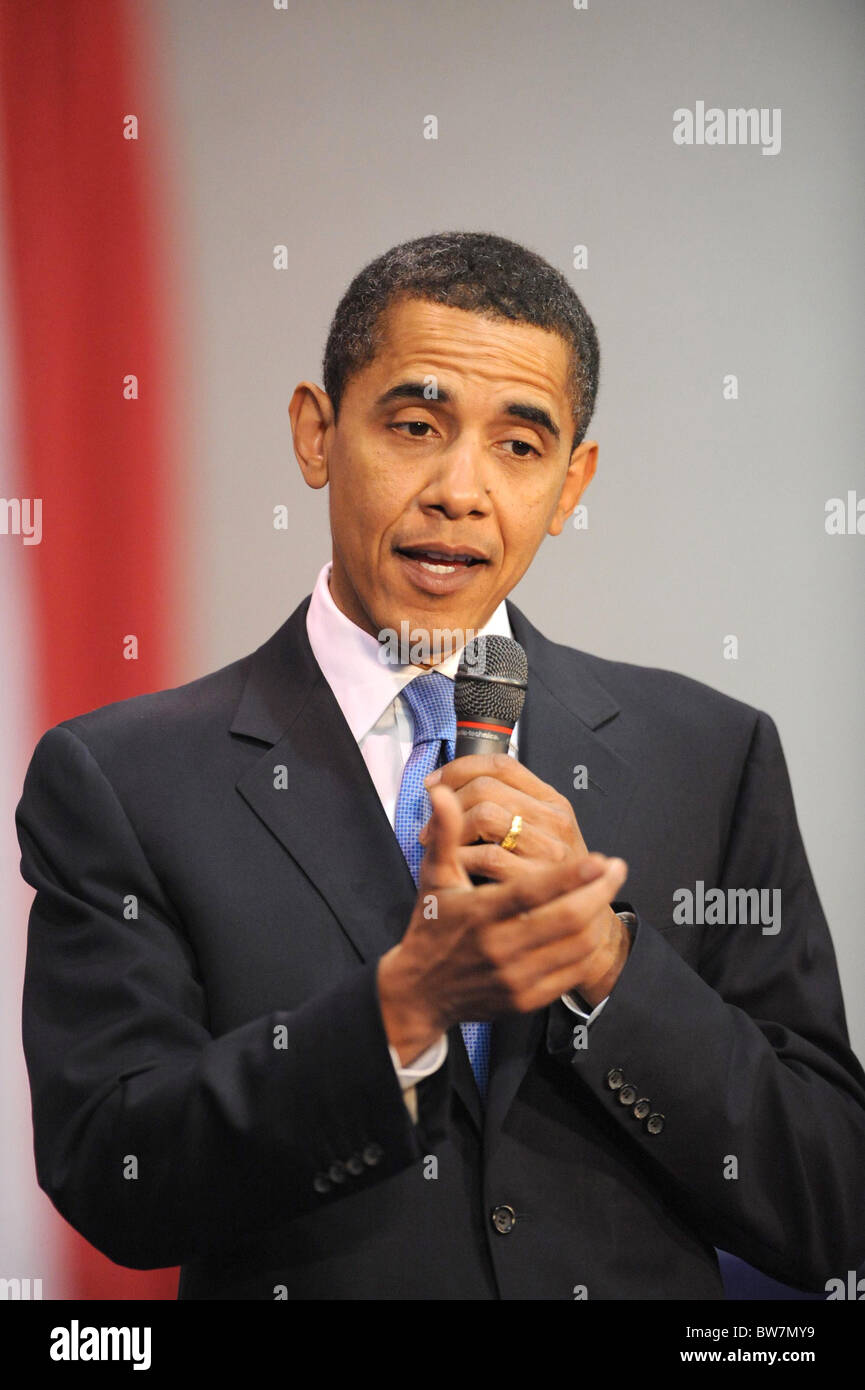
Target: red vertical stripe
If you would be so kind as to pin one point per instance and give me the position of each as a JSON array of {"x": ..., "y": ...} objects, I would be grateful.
[{"x": 86, "y": 307}]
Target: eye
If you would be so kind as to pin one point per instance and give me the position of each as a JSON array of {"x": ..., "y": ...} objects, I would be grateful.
[
  {"x": 412, "y": 426},
  {"x": 524, "y": 444}
]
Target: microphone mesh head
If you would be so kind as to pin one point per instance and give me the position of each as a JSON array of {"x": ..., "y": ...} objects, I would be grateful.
[{"x": 491, "y": 680}]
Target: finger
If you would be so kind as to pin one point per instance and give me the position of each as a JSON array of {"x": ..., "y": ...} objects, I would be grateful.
[
  {"x": 571, "y": 912},
  {"x": 490, "y": 807},
  {"x": 491, "y": 822},
  {"x": 565, "y": 965},
  {"x": 564, "y": 962},
  {"x": 490, "y": 860},
  {"x": 502, "y": 766},
  {"x": 441, "y": 867},
  {"x": 552, "y": 986},
  {"x": 537, "y": 946},
  {"x": 535, "y": 886}
]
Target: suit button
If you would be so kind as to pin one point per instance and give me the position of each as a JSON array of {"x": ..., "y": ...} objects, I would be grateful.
[
  {"x": 642, "y": 1108},
  {"x": 372, "y": 1154},
  {"x": 354, "y": 1164},
  {"x": 320, "y": 1183},
  {"x": 655, "y": 1123},
  {"x": 336, "y": 1172},
  {"x": 628, "y": 1094},
  {"x": 615, "y": 1078},
  {"x": 504, "y": 1219}
]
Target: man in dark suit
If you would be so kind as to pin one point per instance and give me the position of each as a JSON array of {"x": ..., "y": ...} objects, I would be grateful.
[{"x": 267, "y": 1044}]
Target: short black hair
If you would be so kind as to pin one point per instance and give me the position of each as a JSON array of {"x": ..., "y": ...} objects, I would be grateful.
[{"x": 478, "y": 271}]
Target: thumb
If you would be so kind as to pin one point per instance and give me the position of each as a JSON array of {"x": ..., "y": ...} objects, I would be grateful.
[{"x": 441, "y": 867}]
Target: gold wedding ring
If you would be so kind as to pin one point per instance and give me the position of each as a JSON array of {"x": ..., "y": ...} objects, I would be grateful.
[{"x": 513, "y": 833}]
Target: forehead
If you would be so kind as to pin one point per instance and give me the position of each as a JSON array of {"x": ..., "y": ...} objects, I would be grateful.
[{"x": 470, "y": 349}]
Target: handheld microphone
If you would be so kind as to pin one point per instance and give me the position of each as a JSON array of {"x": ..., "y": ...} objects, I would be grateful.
[{"x": 489, "y": 692}]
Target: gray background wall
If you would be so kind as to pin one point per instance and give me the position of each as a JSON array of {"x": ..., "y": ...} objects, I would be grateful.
[{"x": 305, "y": 127}]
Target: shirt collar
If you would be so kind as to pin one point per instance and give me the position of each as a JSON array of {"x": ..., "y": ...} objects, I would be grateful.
[{"x": 349, "y": 658}]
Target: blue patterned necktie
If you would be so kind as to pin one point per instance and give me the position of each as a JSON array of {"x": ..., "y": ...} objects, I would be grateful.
[{"x": 430, "y": 698}]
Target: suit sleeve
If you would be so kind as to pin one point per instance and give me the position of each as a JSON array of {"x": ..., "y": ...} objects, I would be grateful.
[
  {"x": 156, "y": 1140},
  {"x": 755, "y": 1125}
]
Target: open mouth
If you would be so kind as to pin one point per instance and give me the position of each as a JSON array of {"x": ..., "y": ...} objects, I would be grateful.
[{"x": 440, "y": 561}]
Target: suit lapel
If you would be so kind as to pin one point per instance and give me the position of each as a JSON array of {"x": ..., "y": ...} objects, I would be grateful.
[
  {"x": 565, "y": 705},
  {"x": 323, "y": 807}
]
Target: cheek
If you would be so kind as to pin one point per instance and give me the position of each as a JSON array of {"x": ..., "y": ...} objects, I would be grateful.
[
  {"x": 368, "y": 508},
  {"x": 388, "y": 493},
  {"x": 356, "y": 490},
  {"x": 524, "y": 527}
]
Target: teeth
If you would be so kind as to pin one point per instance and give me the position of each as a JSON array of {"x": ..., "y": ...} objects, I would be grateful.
[
  {"x": 438, "y": 569},
  {"x": 436, "y": 556}
]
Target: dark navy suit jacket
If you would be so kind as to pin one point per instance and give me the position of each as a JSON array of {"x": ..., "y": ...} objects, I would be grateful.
[{"x": 216, "y": 879}]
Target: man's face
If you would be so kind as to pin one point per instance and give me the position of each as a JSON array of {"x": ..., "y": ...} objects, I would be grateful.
[{"x": 439, "y": 501}]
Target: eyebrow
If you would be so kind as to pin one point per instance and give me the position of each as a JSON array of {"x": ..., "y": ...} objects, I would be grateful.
[{"x": 522, "y": 410}]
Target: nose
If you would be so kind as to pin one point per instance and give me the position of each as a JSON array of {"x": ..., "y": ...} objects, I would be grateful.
[{"x": 459, "y": 484}]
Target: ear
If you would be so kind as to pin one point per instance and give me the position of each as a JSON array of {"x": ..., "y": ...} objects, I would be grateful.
[
  {"x": 311, "y": 415},
  {"x": 581, "y": 471}
]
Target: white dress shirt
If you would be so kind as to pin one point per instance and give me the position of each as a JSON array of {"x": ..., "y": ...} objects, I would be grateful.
[{"x": 367, "y": 691}]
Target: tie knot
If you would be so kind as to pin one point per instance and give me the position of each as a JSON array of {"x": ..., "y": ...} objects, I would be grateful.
[{"x": 430, "y": 698}]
